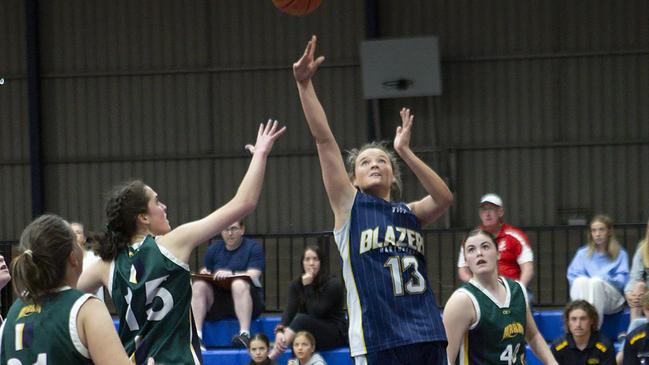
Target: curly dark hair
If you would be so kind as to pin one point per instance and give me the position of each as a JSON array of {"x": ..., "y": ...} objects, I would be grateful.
[{"x": 124, "y": 203}]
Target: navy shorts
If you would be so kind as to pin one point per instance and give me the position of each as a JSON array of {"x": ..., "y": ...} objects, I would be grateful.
[{"x": 425, "y": 353}]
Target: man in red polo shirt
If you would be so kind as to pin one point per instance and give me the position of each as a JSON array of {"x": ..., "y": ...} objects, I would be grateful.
[{"x": 516, "y": 260}]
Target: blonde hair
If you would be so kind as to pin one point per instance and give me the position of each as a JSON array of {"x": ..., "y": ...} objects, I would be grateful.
[
  {"x": 308, "y": 336},
  {"x": 644, "y": 247},
  {"x": 612, "y": 245}
]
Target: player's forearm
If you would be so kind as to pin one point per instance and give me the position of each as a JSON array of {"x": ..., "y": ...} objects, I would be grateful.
[
  {"x": 429, "y": 179},
  {"x": 315, "y": 115},
  {"x": 527, "y": 273},
  {"x": 541, "y": 350}
]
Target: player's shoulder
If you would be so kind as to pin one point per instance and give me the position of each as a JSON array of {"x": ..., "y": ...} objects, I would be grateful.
[
  {"x": 638, "y": 334},
  {"x": 516, "y": 233},
  {"x": 561, "y": 343}
]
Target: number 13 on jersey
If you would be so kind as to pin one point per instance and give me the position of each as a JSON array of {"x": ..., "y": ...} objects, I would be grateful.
[{"x": 398, "y": 266}]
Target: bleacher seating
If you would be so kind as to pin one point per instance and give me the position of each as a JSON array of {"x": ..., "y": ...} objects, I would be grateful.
[{"x": 217, "y": 336}]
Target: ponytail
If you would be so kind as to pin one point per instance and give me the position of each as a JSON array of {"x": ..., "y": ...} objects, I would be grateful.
[{"x": 46, "y": 243}]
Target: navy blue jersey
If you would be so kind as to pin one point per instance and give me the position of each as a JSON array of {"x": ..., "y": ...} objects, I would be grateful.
[
  {"x": 389, "y": 299},
  {"x": 249, "y": 255}
]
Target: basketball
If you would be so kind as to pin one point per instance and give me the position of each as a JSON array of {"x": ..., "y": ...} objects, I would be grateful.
[{"x": 297, "y": 7}]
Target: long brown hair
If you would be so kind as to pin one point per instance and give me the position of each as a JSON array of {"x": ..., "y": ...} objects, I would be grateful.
[
  {"x": 124, "y": 203},
  {"x": 319, "y": 280},
  {"x": 612, "y": 246},
  {"x": 46, "y": 244}
]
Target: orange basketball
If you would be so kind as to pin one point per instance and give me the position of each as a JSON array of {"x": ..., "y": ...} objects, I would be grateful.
[{"x": 297, "y": 7}]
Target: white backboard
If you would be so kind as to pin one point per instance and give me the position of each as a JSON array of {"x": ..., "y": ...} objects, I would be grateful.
[{"x": 400, "y": 67}]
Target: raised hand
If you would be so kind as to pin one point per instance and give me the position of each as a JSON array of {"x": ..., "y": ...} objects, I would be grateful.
[
  {"x": 307, "y": 278},
  {"x": 404, "y": 131},
  {"x": 306, "y": 66},
  {"x": 266, "y": 136}
]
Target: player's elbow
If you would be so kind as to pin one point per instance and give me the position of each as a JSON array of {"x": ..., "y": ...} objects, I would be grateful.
[{"x": 446, "y": 199}]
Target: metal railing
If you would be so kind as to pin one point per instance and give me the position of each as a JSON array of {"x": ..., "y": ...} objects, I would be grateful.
[{"x": 553, "y": 246}]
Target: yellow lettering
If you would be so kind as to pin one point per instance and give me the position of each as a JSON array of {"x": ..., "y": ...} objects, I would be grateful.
[{"x": 512, "y": 330}]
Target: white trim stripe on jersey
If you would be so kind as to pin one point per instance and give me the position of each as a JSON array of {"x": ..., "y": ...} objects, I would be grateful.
[
  {"x": 191, "y": 340},
  {"x": 2, "y": 330},
  {"x": 360, "y": 360},
  {"x": 354, "y": 308},
  {"x": 111, "y": 276},
  {"x": 476, "y": 307},
  {"x": 486, "y": 292},
  {"x": 72, "y": 325},
  {"x": 171, "y": 257}
]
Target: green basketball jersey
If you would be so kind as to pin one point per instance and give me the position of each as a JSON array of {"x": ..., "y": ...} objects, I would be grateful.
[
  {"x": 498, "y": 336},
  {"x": 45, "y": 334},
  {"x": 152, "y": 293}
]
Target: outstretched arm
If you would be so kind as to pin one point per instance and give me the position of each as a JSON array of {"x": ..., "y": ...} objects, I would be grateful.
[
  {"x": 339, "y": 189},
  {"x": 536, "y": 341},
  {"x": 182, "y": 240},
  {"x": 94, "y": 276},
  {"x": 440, "y": 197}
]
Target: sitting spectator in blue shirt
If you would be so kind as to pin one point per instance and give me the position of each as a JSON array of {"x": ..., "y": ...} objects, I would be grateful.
[
  {"x": 582, "y": 344},
  {"x": 232, "y": 255},
  {"x": 600, "y": 269}
]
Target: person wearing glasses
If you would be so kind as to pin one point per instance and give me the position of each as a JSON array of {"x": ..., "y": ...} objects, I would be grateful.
[{"x": 232, "y": 255}]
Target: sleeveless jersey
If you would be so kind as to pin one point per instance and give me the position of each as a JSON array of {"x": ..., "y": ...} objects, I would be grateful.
[
  {"x": 45, "y": 334},
  {"x": 152, "y": 292},
  {"x": 498, "y": 336},
  {"x": 389, "y": 299}
]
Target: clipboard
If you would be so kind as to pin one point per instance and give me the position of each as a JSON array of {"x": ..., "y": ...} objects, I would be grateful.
[{"x": 224, "y": 284}]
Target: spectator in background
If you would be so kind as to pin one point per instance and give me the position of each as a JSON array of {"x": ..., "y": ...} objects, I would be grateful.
[
  {"x": 637, "y": 285},
  {"x": 582, "y": 344},
  {"x": 304, "y": 350},
  {"x": 600, "y": 269},
  {"x": 258, "y": 350},
  {"x": 636, "y": 347},
  {"x": 89, "y": 256},
  {"x": 516, "y": 260},
  {"x": 316, "y": 304},
  {"x": 232, "y": 255},
  {"x": 4, "y": 275}
]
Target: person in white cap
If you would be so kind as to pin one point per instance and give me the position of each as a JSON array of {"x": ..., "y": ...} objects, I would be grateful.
[{"x": 515, "y": 260}]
